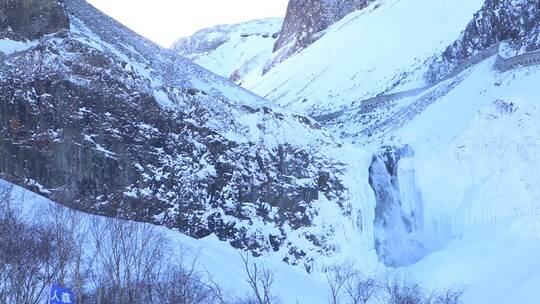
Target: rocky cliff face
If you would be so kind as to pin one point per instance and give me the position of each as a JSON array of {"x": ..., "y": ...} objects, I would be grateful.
[
  {"x": 305, "y": 20},
  {"x": 514, "y": 21},
  {"x": 31, "y": 19},
  {"x": 107, "y": 122}
]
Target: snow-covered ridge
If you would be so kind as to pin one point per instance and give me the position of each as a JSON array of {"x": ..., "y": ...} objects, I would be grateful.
[
  {"x": 124, "y": 40},
  {"x": 8, "y": 46},
  {"x": 509, "y": 21},
  {"x": 306, "y": 21}
]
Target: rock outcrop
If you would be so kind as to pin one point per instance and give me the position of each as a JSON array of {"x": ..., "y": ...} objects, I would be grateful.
[
  {"x": 31, "y": 19},
  {"x": 516, "y": 22},
  {"x": 304, "y": 22}
]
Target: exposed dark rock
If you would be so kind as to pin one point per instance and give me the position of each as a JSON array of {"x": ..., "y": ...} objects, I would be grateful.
[
  {"x": 31, "y": 19},
  {"x": 514, "y": 21}
]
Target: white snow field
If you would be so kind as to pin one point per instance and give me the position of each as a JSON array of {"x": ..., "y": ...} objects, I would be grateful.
[
  {"x": 8, "y": 46},
  {"x": 365, "y": 54}
]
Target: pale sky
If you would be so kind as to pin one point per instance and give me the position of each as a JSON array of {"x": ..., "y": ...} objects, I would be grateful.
[{"x": 164, "y": 21}]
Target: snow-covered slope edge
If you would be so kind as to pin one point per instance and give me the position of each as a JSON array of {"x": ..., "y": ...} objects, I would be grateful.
[
  {"x": 513, "y": 22},
  {"x": 305, "y": 22}
]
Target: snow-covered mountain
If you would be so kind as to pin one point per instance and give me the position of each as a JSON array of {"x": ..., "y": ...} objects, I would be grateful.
[
  {"x": 102, "y": 120},
  {"x": 421, "y": 154},
  {"x": 443, "y": 94},
  {"x": 232, "y": 51},
  {"x": 514, "y": 23}
]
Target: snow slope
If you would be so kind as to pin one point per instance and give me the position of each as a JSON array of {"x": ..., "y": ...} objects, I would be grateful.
[
  {"x": 475, "y": 173},
  {"x": 366, "y": 53},
  {"x": 495, "y": 265},
  {"x": 476, "y": 167},
  {"x": 232, "y": 51},
  {"x": 8, "y": 46},
  {"x": 218, "y": 258}
]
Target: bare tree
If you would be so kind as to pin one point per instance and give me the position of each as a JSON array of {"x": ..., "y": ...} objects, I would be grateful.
[
  {"x": 127, "y": 256},
  {"x": 260, "y": 279},
  {"x": 401, "y": 289},
  {"x": 105, "y": 261},
  {"x": 7, "y": 220},
  {"x": 219, "y": 295},
  {"x": 361, "y": 289},
  {"x": 27, "y": 258},
  {"x": 448, "y": 296},
  {"x": 184, "y": 286},
  {"x": 71, "y": 258},
  {"x": 338, "y": 277},
  {"x": 26, "y": 254}
]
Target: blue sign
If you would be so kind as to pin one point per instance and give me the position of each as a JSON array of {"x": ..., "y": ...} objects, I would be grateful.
[{"x": 61, "y": 295}]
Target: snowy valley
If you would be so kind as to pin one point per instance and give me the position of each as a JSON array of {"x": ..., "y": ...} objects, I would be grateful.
[
  {"x": 454, "y": 133},
  {"x": 395, "y": 137}
]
